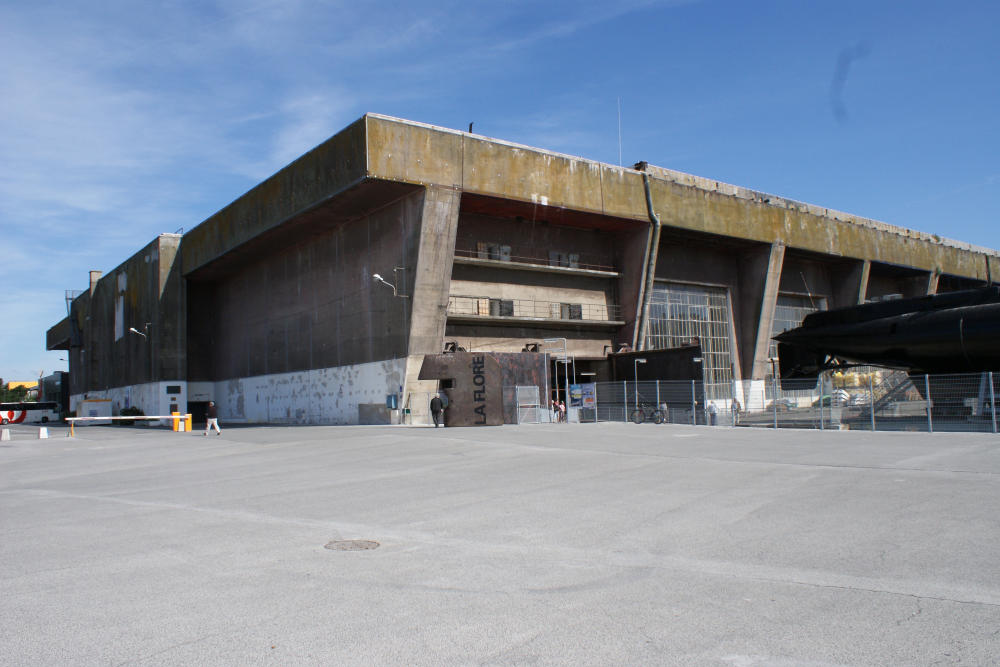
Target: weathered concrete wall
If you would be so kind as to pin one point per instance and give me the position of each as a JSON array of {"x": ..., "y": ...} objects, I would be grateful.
[
  {"x": 171, "y": 311},
  {"x": 314, "y": 305},
  {"x": 146, "y": 288}
]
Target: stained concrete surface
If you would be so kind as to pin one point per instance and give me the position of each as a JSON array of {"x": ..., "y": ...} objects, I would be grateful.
[{"x": 554, "y": 544}]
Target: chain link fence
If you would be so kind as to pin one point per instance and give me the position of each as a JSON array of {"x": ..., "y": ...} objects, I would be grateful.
[
  {"x": 863, "y": 398},
  {"x": 665, "y": 402}
]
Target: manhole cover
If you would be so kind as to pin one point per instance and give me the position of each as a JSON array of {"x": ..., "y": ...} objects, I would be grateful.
[{"x": 351, "y": 545}]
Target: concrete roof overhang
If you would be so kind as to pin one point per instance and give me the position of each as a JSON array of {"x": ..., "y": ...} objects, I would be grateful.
[
  {"x": 378, "y": 158},
  {"x": 300, "y": 227},
  {"x": 59, "y": 336}
]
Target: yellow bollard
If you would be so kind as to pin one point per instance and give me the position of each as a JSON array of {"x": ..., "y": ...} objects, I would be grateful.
[
  {"x": 176, "y": 420},
  {"x": 187, "y": 419}
]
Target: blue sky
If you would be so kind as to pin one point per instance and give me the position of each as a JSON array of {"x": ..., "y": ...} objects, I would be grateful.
[{"x": 121, "y": 120}]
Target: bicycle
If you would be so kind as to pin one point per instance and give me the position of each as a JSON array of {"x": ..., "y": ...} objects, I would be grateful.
[{"x": 646, "y": 411}]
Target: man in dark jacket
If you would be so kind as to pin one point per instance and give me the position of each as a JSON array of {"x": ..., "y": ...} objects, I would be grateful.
[
  {"x": 437, "y": 407},
  {"x": 212, "y": 419}
]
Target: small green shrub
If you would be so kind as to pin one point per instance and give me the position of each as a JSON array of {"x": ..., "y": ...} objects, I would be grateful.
[{"x": 132, "y": 411}]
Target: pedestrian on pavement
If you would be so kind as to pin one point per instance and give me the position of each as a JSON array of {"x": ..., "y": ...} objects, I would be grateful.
[
  {"x": 437, "y": 408},
  {"x": 212, "y": 419}
]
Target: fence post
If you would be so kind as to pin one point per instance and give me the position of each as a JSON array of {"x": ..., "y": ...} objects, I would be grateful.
[
  {"x": 774, "y": 399},
  {"x": 821, "y": 401},
  {"x": 657, "y": 394},
  {"x": 694, "y": 406},
  {"x": 625, "y": 398},
  {"x": 871, "y": 399},
  {"x": 993, "y": 403},
  {"x": 927, "y": 388}
]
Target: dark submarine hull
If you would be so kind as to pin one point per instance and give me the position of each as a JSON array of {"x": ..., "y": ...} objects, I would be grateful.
[{"x": 955, "y": 332}]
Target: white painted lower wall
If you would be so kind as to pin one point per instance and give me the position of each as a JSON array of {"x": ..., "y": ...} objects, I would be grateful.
[{"x": 341, "y": 395}]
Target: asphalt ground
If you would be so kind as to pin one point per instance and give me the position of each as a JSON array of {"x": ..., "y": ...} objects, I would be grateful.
[{"x": 556, "y": 544}]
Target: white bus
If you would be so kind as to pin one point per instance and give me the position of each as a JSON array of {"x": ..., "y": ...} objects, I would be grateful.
[{"x": 29, "y": 413}]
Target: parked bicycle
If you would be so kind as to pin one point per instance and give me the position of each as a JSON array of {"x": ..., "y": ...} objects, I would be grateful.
[{"x": 645, "y": 412}]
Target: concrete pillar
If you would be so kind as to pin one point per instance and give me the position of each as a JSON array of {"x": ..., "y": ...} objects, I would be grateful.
[
  {"x": 432, "y": 278},
  {"x": 431, "y": 285},
  {"x": 631, "y": 256},
  {"x": 760, "y": 275},
  {"x": 919, "y": 285},
  {"x": 932, "y": 281},
  {"x": 850, "y": 287}
]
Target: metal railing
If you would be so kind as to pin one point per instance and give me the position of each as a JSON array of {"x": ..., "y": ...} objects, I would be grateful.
[
  {"x": 530, "y": 255},
  {"x": 481, "y": 306}
]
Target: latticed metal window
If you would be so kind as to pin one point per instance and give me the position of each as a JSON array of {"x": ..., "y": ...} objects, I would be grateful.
[
  {"x": 687, "y": 314},
  {"x": 789, "y": 311}
]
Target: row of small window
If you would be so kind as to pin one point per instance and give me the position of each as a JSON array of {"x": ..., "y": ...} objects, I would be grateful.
[
  {"x": 505, "y": 308},
  {"x": 502, "y": 253}
]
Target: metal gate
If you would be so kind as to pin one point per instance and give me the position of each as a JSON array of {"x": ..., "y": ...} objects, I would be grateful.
[{"x": 529, "y": 407}]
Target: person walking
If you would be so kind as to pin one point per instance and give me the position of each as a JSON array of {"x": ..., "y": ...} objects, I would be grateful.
[
  {"x": 437, "y": 407},
  {"x": 212, "y": 419}
]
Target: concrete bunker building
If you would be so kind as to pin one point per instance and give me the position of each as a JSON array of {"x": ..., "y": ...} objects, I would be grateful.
[{"x": 269, "y": 306}]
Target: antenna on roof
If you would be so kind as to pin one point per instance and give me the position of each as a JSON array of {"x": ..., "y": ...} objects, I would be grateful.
[{"x": 470, "y": 128}]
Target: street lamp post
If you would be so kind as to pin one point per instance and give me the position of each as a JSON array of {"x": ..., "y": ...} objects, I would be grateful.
[
  {"x": 145, "y": 334},
  {"x": 635, "y": 368},
  {"x": 395, "y": 292},
  {"x": 774, "y": 389},
  {"x": 391, "y": 285},
  {"x": 564, "y": 357}
]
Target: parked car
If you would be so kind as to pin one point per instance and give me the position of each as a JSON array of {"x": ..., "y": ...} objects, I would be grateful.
[{"x": 782, "y": 404}]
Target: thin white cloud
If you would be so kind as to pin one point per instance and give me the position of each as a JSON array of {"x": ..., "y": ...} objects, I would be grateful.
[{"x": 308, "y": 120}]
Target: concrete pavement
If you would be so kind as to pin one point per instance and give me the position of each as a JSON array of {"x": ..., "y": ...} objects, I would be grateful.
[{"x": 558, "y": 544}]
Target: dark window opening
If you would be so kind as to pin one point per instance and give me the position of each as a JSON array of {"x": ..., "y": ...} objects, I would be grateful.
[{"x": 502, "y": 307}]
